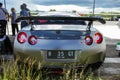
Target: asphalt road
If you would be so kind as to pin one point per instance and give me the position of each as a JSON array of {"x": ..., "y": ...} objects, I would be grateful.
[{"x": 111, "y": 65}]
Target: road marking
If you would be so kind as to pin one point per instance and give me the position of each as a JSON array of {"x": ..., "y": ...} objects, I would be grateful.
[
  {"x": 112, "y": 70},
  {"x": 112, "y": 60}
]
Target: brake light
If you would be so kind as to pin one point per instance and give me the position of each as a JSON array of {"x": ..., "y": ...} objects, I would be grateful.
[
  {"x": 98, "y": 38},
  {"x": 88, "y": 40},
  {"x": 32, "y": 40},
  {"x": 22, "y": 37}
]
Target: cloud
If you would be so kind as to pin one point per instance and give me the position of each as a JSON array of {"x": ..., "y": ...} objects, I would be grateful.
[
  {"x": 75, "y": 7},
  {"x": 62, "y": 2},
  {"x": 108, "y": 3},
  {"x": 98, "y": 10},
  {"x": 88, "y": 3},
  {"x": 61, "y": 5},
  {"x": 62, "y": 8},
  {"x": 15, "y": 3}
]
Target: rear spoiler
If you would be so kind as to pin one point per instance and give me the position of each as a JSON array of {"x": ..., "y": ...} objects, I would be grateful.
[{"x": 91, "y": 19}]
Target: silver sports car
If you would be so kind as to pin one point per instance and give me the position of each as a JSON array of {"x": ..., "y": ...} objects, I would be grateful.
[{"x": 57, "y": 39}]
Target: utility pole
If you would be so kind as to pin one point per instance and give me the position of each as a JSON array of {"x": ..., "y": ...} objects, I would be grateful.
[
  {"x": 93, "y": 7},
  {"x": 5, "y": 3}
]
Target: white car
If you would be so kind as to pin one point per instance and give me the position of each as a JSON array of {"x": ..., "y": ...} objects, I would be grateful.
[{"x": 59, "y": 39}]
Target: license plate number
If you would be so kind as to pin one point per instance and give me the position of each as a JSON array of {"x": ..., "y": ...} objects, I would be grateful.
[{"x": 60, "y": 54}]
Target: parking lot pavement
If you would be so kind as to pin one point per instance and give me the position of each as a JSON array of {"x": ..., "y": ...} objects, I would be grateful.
[
  {"x": 111, "y": 66},
  {"x": 112, "y": 60}
]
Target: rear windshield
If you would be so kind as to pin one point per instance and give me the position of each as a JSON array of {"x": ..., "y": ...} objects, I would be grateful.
[{"x": 75, "y": 22}]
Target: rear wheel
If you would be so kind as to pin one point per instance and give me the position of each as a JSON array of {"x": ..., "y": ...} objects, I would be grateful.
[
  {"x": 89, "y": 68},
  {"x": 119, "y": 53},
  {"x": 94, "y": 66},
  {"x": 84, "y": 71}
]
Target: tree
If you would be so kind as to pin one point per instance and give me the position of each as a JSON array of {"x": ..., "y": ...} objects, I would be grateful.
[
  {"x": 74, "y": 11},
  {"x": 52, "y": 10}
]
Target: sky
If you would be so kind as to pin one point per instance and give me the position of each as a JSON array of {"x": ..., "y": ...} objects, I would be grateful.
[{"x": 83, "y": 6}]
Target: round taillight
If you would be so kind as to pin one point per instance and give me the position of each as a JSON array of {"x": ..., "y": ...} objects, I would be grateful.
[
  {"x": 32, "y": 40},
  {"x": 98, "y": 38},
  {"x": 22, "y": 37},
  {"x": 88, "y": 40}
]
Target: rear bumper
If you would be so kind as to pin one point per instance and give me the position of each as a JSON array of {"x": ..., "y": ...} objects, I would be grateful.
[
  {"x": 81, "y": 58},
  {"x": 83, "y": 54}
]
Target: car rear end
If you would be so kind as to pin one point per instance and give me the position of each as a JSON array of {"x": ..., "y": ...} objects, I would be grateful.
[
  {"x": 59, "y": 43},
  {"x": 59, "y": 47}
]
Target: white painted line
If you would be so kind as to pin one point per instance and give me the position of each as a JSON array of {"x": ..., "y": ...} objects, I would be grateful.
[
  {"x": 112, "y": 60},
  {"x": 112, "y": 70}
]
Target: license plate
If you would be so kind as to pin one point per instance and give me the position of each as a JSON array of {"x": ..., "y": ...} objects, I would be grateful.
[{"x": 61, "y": 54}]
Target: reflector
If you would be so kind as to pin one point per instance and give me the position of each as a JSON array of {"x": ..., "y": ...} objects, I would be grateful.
[
  {"x": 88, "y": 40},
  {"x": 32, "y": 40}
]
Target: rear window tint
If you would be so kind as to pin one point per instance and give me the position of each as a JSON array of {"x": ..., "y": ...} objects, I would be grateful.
[{"x": 76, "y": 22}]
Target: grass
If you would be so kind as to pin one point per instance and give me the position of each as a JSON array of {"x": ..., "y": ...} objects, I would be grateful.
[{"x": 14, "y": 71}]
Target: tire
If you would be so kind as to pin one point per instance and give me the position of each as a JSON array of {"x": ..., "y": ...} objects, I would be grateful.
[
  {"x": 94, "y": 66},
  {"x": 119, "y": 53}
]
